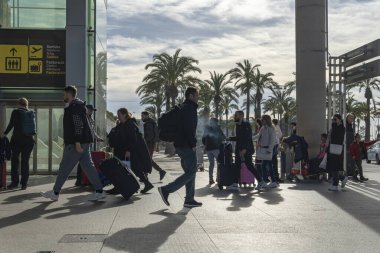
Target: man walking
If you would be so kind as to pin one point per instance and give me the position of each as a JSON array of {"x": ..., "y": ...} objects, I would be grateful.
[
  {"x": 185, "y": 145},
  {"x": 151, "y": 139},
  {"x": 244, "y": 150},
  {"x": 78, "y": 136}
]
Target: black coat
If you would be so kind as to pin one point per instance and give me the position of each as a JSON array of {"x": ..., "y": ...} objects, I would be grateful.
[
  {"x": 129, "y": 138},
  {"x": 187, "y": 125},
  {"x": 335, "y": 162},
  {"x": 243, "y": 138},
  {"x": 18, "y": 138}
]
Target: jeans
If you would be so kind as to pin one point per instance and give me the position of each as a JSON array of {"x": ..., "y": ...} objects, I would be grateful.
[
  {"x": 359, "y": 170},
  {"x": 267, "y": 165},
  {"x": 275, "y": 161},
  {"x": 212, "y": 156},
  {"x": 249, "y": 162},
  {"x": 189, "y": 166},
  {"x": 70, "y": 158},
  {"x": 25, "y": 150}
]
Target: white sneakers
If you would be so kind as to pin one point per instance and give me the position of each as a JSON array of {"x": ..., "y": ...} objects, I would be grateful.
[
  {"x": 50, "y": 195},
  {"x": 260, "y": 185},
  {"x": 333, "y": 188},
  {"x": 54, "y": 197},
  {"x": 233, "y": 187},
  {"x": 344, "y": 181},
  {"x": 97, "y": 196}
]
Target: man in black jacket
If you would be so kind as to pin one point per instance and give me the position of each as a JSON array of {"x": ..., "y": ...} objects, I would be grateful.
[
  {"x": 185, "y": 144},
  {"x": 151, "y": 139},
  {"x": 78, "y": 136},
  {"x": 244, "y": 149}
]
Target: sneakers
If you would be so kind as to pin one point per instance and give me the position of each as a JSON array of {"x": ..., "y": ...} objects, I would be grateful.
[
  {"x": 272, "y": 185},
  {"x": 260, "y": 185},
  {"x": 344, "y": 181},
  {"x": 355, "y": 179},
  {"x": 363, "y": 179},
  {"x": 162, "y": 174},
  {"x": 50, "y": 195},
  {"x": 148, "y": 187},
  {"x": 211, "y": 181},
  {"x": 190, "y": 204},
  {"x": 23, "y": 187},
  {"x": 97, "y": 196},
  {"x": 164, "y": 195},
  {"x": 233, "y": 187},
  {"x": 333, "y": 188}
]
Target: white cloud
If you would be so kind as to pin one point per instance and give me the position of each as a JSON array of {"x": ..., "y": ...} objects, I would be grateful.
[{"x": 220, "y": 33}]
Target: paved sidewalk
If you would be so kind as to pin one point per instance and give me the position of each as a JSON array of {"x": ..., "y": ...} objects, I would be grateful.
[{"x": 294, "y": 218}]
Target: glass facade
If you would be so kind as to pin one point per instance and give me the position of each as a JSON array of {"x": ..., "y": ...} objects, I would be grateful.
[
  {"x": 33, "y": 13},
  {"x": 51, "y": 14}
]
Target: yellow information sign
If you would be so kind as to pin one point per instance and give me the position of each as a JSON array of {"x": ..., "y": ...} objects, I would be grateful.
[
  {"x": 14, "y": 59},
  {"x": 35, "y": 51},
  {"x": 35, "y": 67}
]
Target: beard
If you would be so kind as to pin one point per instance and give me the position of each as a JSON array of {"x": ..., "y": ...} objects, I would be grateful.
[
  {"x": 66, "y": 100},
  {"x": 236, "y": 120}
]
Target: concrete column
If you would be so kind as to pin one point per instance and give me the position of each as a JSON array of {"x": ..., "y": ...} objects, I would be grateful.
[
  {"x": 311, "y": 70},
  {"x": 76, "y": 45}
]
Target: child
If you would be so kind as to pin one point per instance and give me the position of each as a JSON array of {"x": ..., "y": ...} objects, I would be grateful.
[
  {"x": 322, "y": 146},
  {"x": 357, "y": 156}
]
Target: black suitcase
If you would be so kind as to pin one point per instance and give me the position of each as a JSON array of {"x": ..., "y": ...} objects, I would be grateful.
[
  {"x": 227, "y": 173},
  {"x": 121, "y": 177}
]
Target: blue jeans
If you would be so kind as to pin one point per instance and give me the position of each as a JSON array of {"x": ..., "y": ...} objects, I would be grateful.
[
  {"x": 267, "y": 165},
  {"x": 189, "y": 165},
  {"x": 212, "y": 156}
]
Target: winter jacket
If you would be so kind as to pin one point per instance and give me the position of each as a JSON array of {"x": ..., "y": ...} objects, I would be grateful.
[
  {"x": 243, "y": 138},
  {"x": 15, "y": 123},
  {"x": 265, "y": 143},
  {"x": 187, "y": 125},
  {"x": 278, "y": 132},
  {"x": 212, "y": 137},
  {"x": 129, "y": 138},
  {"x": 355, "y": 151},
  {"x": 5, "y": 149},
  {"x": 337, "y": 134},
  {"x": 150, "y": 132},
  {"x": 76, "y": 126}
]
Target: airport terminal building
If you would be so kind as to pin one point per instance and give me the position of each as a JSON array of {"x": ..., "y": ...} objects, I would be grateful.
[{"x": 44, "y": 46}]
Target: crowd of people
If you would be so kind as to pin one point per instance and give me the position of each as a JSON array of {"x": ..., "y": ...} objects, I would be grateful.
[{"x": 137, "y": 149}]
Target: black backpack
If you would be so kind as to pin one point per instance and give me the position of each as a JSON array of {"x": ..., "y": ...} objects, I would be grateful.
[
  {"x": 168, "y": 125},
  {"x": 28, "y": 122}
]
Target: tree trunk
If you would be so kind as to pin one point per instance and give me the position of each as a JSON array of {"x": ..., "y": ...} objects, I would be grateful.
[
  {"x": 368, "y": 121},
  {"x": 227, "y": 124},
  {"x": 248, "y": 105},
  {"x": 258, "y": 105}
]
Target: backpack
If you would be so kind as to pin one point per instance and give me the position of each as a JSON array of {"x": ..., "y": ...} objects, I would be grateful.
[
  {"x": 168, "y": 125},
  {"x": 28, "y": 122}
]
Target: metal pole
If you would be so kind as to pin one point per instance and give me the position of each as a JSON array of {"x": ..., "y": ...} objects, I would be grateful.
[{"x": 344, "y": 109}]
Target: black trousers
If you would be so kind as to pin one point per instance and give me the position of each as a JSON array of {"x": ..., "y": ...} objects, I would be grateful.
[
  {"x": 25, "y": 150},
  {"x": 151, "y": 151},
  {"x": 359, "y": 168},
  {"x": 249, "y": 162}
]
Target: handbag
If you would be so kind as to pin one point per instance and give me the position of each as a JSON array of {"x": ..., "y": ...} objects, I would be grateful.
[
  {"x": 323, "y": 163},
  {"x": 336, "y": 149}
]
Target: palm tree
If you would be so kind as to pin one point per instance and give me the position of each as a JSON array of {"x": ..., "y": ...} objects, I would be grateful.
[
  {"x": 359, "y": 109},
  {"x": 172, "y": 72},
  {"x": 219, "y": 86},
  {"x": 228, "y": 104},
  {"x": 271, "y": 105},
  {"x": 244, "y": 75},
  {"x": 156, "y": 101},
  {"x": 261, "y": 82},
  {"x": 252, "y": 101},
  {"x": 205, "y": 99},
  {"x": 369, "y": 85}
]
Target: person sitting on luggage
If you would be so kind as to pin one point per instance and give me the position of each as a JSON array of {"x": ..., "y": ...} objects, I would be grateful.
[
  {"x": 244, "y": 150},
  {"x": 130, "y": 146},
  {"x": 212, "y": 139},
  {"x": 355, "y": 151}
]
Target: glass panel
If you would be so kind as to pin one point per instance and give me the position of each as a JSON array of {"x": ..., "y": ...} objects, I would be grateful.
[
  {"x": 57, "y": 135},
  {"x": 42, "y": 18},
  {"x": 42, "y": 140}
]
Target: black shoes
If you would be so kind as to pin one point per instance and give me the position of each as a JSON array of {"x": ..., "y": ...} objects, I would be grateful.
[
  {"x": 164, "y": 195},
  {"x": 148, "y": 187},
  {"x": 12, "y": 186},
  {"x": 211, "y": 181},
  {"x": 78, "y": 182},
  {"x": 23, "y": 187},
  {"x": 363, "y": 179},
  {"x": 162, "y": 174},
  {"x": 190, "y": 204}
]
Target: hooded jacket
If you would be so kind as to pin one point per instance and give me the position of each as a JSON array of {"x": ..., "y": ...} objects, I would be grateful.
[
  {"x": 150, "y": 132},
  {"x": 76, "y": 126}
]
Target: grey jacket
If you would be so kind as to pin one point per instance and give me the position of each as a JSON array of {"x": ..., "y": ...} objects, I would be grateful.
[{"x": 265, "y": 143}]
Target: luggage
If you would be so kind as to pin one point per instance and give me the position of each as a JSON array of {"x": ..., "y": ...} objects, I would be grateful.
[
  {"x": 97, "y": 157},
  {"x": 226, "y": 167},
  {"x": 246, "y": 176},
  {"x": 121, "y": 177}
]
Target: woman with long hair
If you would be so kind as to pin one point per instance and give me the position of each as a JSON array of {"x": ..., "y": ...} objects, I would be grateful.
[{"x": 130, "y": 146}]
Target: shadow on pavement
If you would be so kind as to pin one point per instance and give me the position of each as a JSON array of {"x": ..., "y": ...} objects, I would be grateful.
[
  {"x": 361, "y": 203},
  {"x": 75, "y": 206},
  {"x": 147, "y": 239}
]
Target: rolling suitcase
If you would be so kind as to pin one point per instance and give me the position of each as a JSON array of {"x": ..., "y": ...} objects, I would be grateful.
[
  {"x": 246, "y": 177},
  {"x": 120, "y": 176},
  {"x": 226, "y": 167}
]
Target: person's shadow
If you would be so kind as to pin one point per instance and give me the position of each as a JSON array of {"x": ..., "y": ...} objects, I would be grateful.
[{"x": 147, "y": 239}]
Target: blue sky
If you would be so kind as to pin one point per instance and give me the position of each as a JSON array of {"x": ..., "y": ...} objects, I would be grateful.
[{"x": 220, "y": 33}]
